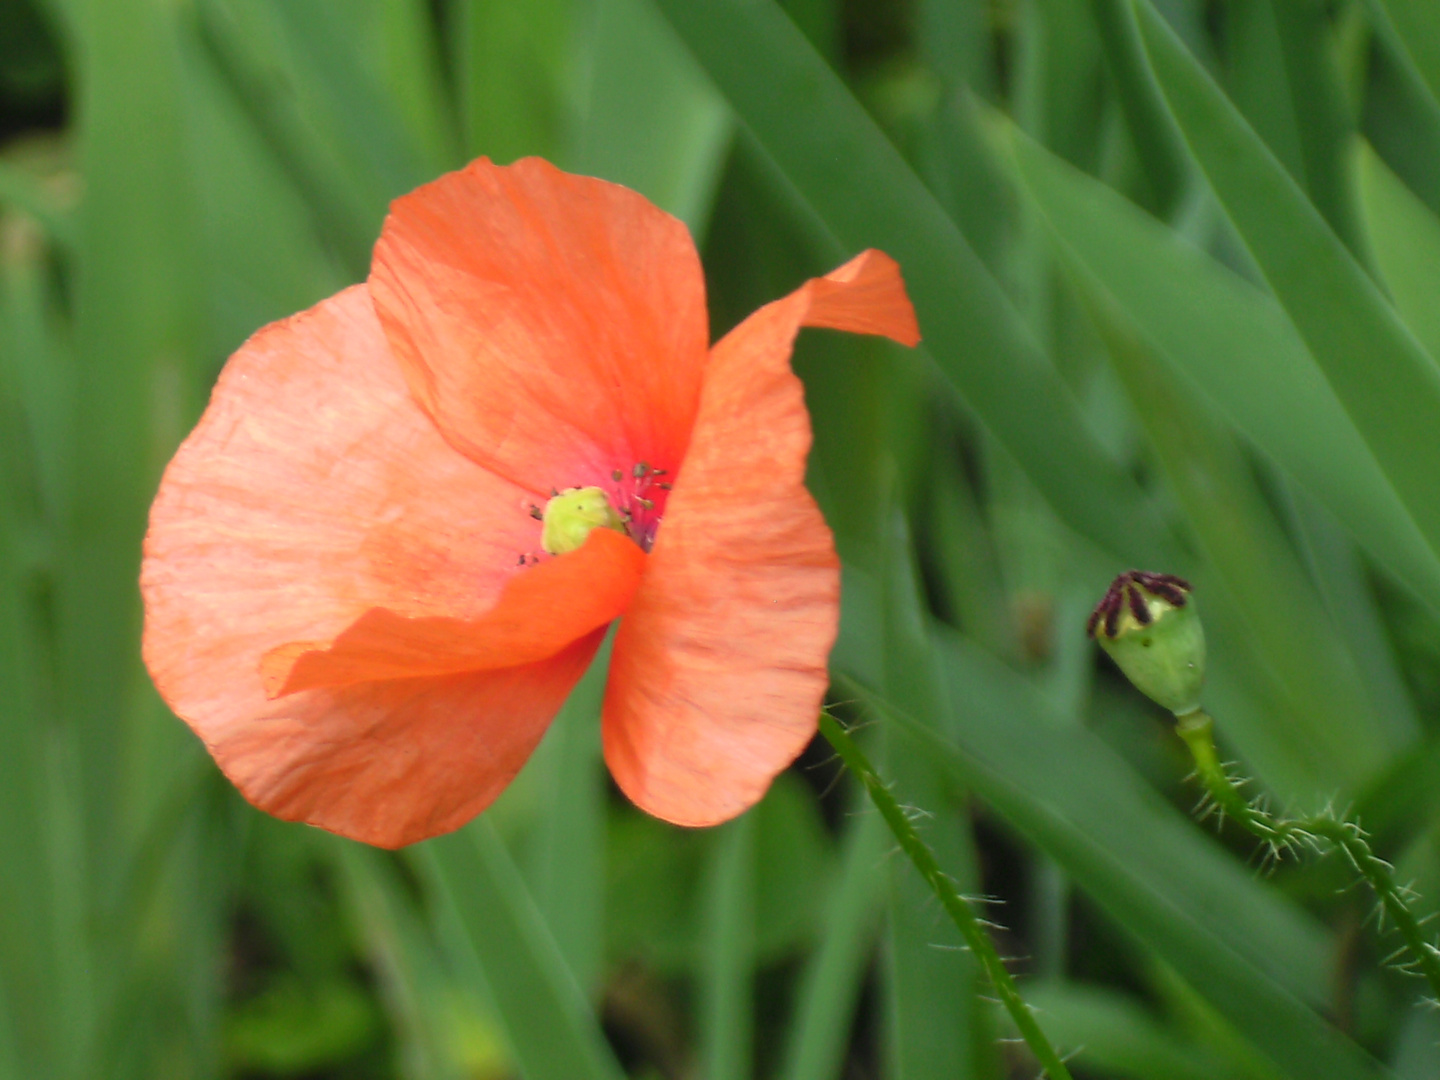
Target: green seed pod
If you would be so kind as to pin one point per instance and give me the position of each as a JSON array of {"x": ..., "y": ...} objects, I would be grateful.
[
  {"x": 1149, "y": 626},
  {"x": 573, "y": 514}
]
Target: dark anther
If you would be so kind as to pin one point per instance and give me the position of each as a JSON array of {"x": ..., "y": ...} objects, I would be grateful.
[
  {"x": 1126, "y": 591},
  {"x": 1167, "y": 586},
  {"x": 640, "y": 470},
  {"x": 664, "y": 486},
  {"x": 1110, "y": 602},
  {"x": 537, "y": 513},
  {"x": 1137, "y": 604},
  {"x": 615, "y": 475},
  {"x": 1108, "y": 609},
  {"x": 646, "y": 503}
]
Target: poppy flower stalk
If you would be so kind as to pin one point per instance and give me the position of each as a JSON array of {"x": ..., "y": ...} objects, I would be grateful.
[
  {"x": 1148, "y": 624},
  {"x": 397, "y": 536}
]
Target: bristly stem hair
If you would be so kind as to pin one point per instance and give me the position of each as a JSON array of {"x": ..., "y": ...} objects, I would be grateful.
[
  {"x": 978, "y": 941},
  {"x": 1286, "y": 834}
]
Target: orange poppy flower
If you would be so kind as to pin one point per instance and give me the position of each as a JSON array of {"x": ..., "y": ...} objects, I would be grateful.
[{"x": 346, "y": 591}]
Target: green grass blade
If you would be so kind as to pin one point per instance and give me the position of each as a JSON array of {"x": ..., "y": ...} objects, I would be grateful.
[
  {"x": 263, "y": 253},
  {"x": 1322, "y": 117},
  {"x": 551, "y": 1030},
  {"x": 1152, "y": 132},
  {"x": 570, "y": 845},
  {"x": 652, "y": 121},
  {"x": 35, "y": 394},
  {"x": 1257, "y": 81},
  {"x": 727, "y": 1004},
  {"x": 136, "y": 390},
  {"x": 10, "y": 1067},
  {"x": 830, "y": 987},
  {"x": 23, "y": 192},
  {"x": 137, "y": 386},
  {"x": 820, "y": 20},
  {"x": 1417, "y": 1057},
  {"x": 1387, "y": 382},
  {"x": 414, "y": 986},
  {"x": 1417, "y": 30},
  {"x": 969, "y": 588},
  {"x": 404, "y": 39},
  {"x": 35, "y": 1012},
  {"x": 1116, "y": 1035},
  {"x": 950, "y": 155},
  {"x": 1060, "y": 80},
  {"x": 350, "y": 92},
  {"x": 1402, "y": 117},
  {"x": 510, "y": 64},
  {"x": 300, "y": 73},
  {"x": 1253, "y": 959},
  {"x": 1333, "y": 731},
  {"x": 1405, "y": 236},
  {"x": 1342, "y": 579},
  {"x": 932, "y": 982},
  {"x": 960, "y": 910},
  {"x": 1283, "y": 76},
  {"x": 855, "y": 179},
  {"x": 1235, "y": 343},
  {"x": 71, "y": 877}
]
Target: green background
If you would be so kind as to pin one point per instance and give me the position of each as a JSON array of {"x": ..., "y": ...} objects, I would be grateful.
[{"x": 1177, "y": 266}]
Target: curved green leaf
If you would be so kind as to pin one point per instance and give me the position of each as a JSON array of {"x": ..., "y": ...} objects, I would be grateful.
[
  {"x": 1416, "y": 26},
  {"x": 842, "y": 164},
  {"x": 1384, "y": 378},
  {"x": 1117, "y": 1036},
  {"x": 1405, "y": 236},
  {"x": 1236, "y": 344},
  {"x": 831, "y": 984},
  {"x": 727, "y": 1010},
  {"x": 653, "y": 122},
  {"x": 1254, "y": 958},
  {"x": 551, "y": 1029},
  {"x": 1331, "y": 725}
]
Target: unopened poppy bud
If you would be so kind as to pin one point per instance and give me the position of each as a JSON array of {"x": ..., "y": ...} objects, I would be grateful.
[
  {"x": 1149, "y": 626},
  {"x": 573, "y": 514}
]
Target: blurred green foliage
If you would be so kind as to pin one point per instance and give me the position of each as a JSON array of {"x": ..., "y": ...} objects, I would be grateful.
[{"x": 1177, "y": 263}]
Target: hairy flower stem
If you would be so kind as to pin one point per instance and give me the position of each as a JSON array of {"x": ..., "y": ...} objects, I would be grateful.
[
  {"x": 1198, "y": 731},
  {"x": 1281, "y": 834},
  {"x": 955, "y": 905}
]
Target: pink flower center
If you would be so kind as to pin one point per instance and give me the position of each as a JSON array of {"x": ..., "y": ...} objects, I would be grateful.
[{"x": 639, "y": 494}]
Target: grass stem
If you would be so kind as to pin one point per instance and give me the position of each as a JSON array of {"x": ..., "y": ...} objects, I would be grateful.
[
  {"x": 955, "y": 905},
  {"x": 1285, "y": 834}
]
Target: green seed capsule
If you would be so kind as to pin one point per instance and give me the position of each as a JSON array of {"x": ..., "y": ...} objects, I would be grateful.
[
  {"x": 1149, "y": 626},
  {"x": 572, "y": 515}
]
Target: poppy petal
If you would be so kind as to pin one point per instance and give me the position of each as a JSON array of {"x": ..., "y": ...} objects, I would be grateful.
[
  {"x": 553, "y": 325},
  {"x": 539, "y": 613},
  {"x": 314, "y": 490},
  {"x": 865, "y": 296},
  {"x": 719, "y": 667},
  {"x": 392, "y": 762}
]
